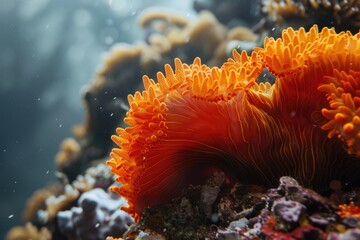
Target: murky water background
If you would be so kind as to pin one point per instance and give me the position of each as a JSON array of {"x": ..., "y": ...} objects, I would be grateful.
[{"x": 49, "y": 50}]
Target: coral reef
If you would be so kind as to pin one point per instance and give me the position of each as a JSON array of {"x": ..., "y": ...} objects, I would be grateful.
[
  {"x": 96, "y": 177},
  {"x": 171, "y": 140},
  {"x": 27, "y": 232},
  {"x": 169, "y": 35},
  {"x": 288, "y": 108},
  {"x": 343, "y": 15},
  {"x": 69, "y": 150},
  {"x": 55, "y": 204},
  {"x": 37, "y": 201},
  {"x": 96, "y": 217},
  {"x": 231, "y": 12}
]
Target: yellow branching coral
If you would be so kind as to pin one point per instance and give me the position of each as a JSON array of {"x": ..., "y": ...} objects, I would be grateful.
[{"x": 194, "y": 119}]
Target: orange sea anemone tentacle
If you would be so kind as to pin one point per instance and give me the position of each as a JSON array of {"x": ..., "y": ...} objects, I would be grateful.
[
  {"x": 301, "y": 59},
  {"x": 172, "y": 122},
  {"x": 349, "y": 210},
  {"x": 343, "y": 94},
  {"x": 193, "y": 119},
  {"x": 146, "y": 129}
]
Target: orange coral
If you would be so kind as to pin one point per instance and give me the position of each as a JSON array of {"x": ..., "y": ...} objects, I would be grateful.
[
  {"x": 195, "y": 119},
  {"x": 347, "y": 210},
  {"x": 343, "y": 91}
]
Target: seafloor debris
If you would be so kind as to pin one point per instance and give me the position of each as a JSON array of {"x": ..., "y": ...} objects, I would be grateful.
[{"x": 240, "y": 211}]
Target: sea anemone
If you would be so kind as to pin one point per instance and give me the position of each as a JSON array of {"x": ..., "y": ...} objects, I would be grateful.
[
  {"x": 195, "y": 120},
  {"x": 343, "y": 91},
  {"x": 349, "y": 210}
]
